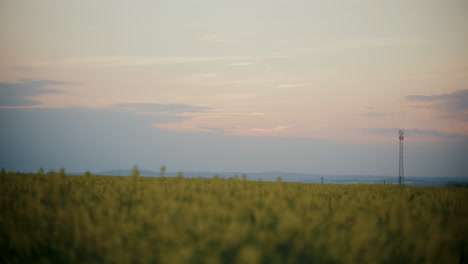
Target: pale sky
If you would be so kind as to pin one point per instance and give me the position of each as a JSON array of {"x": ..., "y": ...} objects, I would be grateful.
[{"x": 337, "y": 76}]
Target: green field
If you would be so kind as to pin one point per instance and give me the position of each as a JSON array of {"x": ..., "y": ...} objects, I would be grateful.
[{"x": 58, "y": 218}]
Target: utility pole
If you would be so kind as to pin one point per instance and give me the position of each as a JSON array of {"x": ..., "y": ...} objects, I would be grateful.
[
  {"x": 401, "y": 173},
  {"x": 322, "y": 180}
]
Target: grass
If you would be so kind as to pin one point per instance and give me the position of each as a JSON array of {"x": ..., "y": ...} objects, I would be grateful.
[{"x": 58, "y": 218}]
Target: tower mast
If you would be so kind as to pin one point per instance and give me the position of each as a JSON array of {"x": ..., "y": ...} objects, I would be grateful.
[{"x": 401, "y": 173}]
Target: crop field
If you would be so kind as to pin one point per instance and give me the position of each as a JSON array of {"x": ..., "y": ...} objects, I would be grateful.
[{"x": 58, "y": 218}]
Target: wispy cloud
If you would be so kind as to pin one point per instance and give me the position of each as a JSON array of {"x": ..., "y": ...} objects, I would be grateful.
[
  {"x": 381, "y": 131},
  {"x": 463, "y": 94},
  {"x": 205, "y": 75},
  {"x": 450, "y": 105},
  {"x": 435, "y": 133},
  {"x": 438, "y": 76},
  {"x": 242, "y": 63},
  {"x": 250, "y": 81},
  {"x": 416, "y": 133},
  {"x": 131, "y": 61},
  {"x": 294, "y": 85},
  {"x": 253, "y": 131},
  {"x": 377, "y": 42},
  {"x": 20, "y": 94},
  {"x": 220, "y": 122},
  {"x": 182, "y": 127},
  {"x": 161, "y": 108},
  {"x": 171, "y": 117},
  {"x": 256, "y": 114},
  {"x": 376, "y": 114}
]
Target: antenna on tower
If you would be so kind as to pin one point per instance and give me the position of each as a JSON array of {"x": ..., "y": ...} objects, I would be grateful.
[{"x": 401, "y": 173}]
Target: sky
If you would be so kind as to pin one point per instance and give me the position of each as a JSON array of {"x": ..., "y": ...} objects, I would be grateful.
[{"x": 235, "y": 85}]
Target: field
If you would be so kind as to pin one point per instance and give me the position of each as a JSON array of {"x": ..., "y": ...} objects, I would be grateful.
[{"x": 58, "y": 218}]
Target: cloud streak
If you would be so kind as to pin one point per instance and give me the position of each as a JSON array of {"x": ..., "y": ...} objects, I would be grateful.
[
  {"x": 451, "y": 105},
  {"x": 461, "y": 95},
  {"x": 375, "y": 114},
  {"x": 132, "y": 61},
  {"x": 295, "y": 85},
  {"x": 242, "y": 63},
  {"x": 377, "y": 42},
  {"x": 255, "y": 131},
  {"x": 415, "y": 133},
  {"x": 19, "y": 94},
  {"x": 161, "y": 108},
  {"x": 437, "y": 76},
  {"x": 250, "y": 81}
]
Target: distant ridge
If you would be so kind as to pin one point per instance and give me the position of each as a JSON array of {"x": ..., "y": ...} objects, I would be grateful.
[
  {"x": 128, "y": 172},
  {"x": 302, "y": 177}
]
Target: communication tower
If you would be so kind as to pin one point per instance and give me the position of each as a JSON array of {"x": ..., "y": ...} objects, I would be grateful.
[{"x": 401, "y": 173}]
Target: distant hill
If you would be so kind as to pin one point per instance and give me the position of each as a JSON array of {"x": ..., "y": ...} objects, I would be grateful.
[
  {"x": 128, "y": 172},
  {"x": 303, "y": 177}
]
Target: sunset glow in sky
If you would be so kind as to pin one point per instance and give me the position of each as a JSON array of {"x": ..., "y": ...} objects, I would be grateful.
[{"x": 347, "y": 72}]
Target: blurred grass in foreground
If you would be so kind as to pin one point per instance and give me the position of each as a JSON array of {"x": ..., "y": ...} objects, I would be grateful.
[{"x": 55, "y": 218}]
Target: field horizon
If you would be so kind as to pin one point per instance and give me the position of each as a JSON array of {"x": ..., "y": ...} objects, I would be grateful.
[{"x": 295, "y": 177}]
